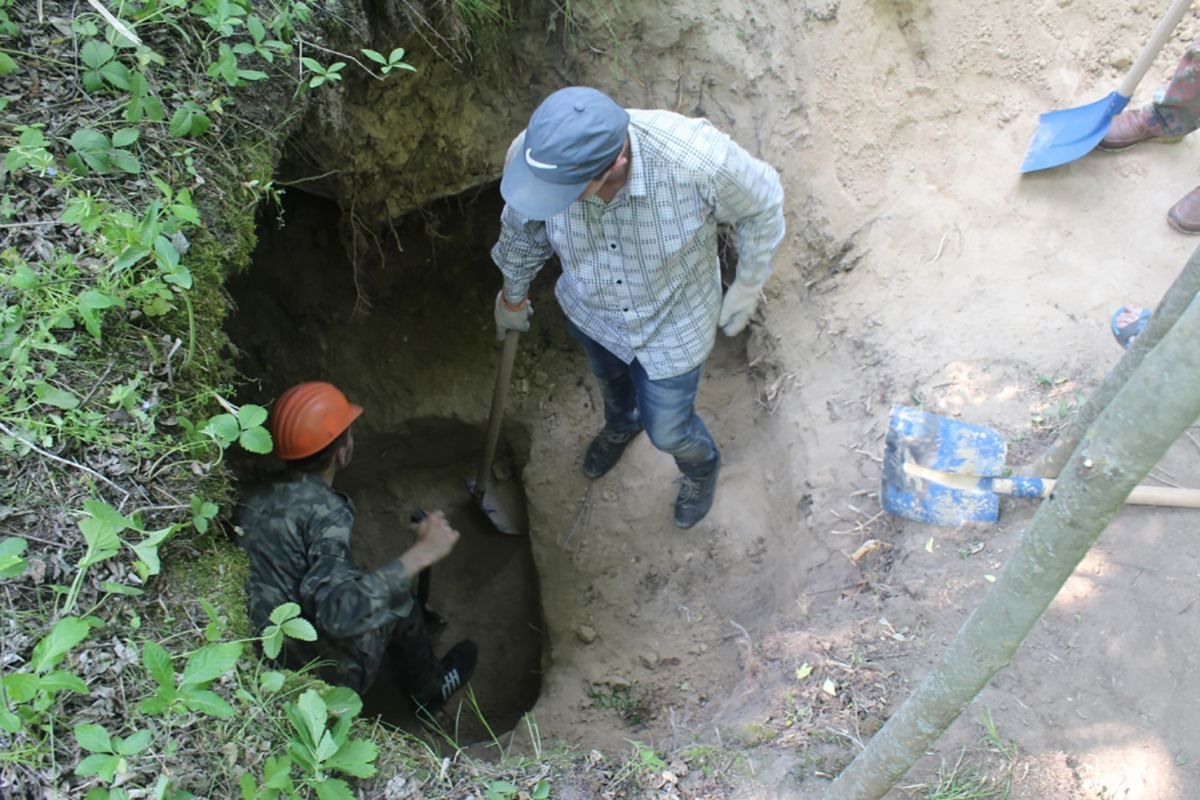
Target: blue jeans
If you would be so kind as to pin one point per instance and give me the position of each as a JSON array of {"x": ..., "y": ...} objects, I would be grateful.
[{"x": 666, "y": 408}]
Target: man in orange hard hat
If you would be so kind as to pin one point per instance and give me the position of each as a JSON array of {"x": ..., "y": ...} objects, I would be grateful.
[{"x": 296, "y": 533}]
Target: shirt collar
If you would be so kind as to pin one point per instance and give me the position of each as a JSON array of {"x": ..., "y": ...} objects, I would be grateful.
[{"x": 637, "y": 168}]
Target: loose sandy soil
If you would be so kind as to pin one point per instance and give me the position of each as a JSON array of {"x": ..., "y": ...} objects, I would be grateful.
[{"x": 920, "y": 267}]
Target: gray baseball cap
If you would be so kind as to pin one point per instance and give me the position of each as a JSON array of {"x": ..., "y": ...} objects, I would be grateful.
[{"x": 573, "y": 136}]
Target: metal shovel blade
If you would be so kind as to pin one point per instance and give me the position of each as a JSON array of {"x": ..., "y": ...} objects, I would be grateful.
[
  {"x": 916, "y": 437},
  {"x": 1072, "y": 133},
  {"x": 500, "y": 505}
]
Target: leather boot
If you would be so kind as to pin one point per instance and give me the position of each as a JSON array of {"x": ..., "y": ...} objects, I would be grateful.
[
  {"x": 1134, "y": 127},
  {"x": 605, "y": 450},
  {"x": 1184, "y": 216}
]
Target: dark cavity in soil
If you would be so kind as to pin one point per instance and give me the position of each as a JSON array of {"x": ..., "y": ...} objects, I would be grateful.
[{"x": 407, "y": 334}]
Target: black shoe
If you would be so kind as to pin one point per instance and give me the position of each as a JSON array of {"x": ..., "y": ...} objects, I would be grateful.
[
  {"x": 695, "y": 498},
  {"x": 455, "y": 669},
  {"x": 605, "y": 450},
  {"x": 433, "y": 619}
]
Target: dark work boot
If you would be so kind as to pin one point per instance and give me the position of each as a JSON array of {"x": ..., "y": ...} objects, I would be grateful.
[
  {"x": 1134, "y": 127},
  {"x": 454, "y": 670},
  {"x": 695, "y": 498},
  {"x": 605, "y": 451}
]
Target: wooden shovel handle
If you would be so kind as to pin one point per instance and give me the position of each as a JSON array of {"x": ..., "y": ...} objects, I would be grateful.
[
  {"x": 1140, "y": 496},
  {"x": 1166, "y": 26},
  {"x": 499, "y": 393}
]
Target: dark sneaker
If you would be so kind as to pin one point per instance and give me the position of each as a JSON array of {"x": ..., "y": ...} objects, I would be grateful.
[
  {"x": 456, "y": 668},
  {"x": 605, "y": 451},
  {"x": 695, "y": 498}
]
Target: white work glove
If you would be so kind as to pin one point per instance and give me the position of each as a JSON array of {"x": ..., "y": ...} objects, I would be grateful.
[
  {"x": 511, "y": 316},
  {"x": 740, "y": 301}
]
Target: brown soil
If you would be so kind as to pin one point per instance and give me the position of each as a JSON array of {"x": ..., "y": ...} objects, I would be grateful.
[{"x": 920, "y": 267}]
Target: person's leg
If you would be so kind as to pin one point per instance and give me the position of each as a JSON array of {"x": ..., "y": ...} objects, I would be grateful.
[
  {"x": 424, "y": 678},
  {"x": 1177, "y": 106},
  {"x": 621, "y": 420},
  {"x": 668, "y": 410}
]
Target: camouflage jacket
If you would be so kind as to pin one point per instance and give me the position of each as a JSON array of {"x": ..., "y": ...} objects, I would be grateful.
[{"x": 296, "y": 533}]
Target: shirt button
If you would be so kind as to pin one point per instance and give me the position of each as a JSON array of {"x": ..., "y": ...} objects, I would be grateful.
[
  {"x": 613, "y": 245},
  {"x": 619, "y": 281},
  {"x": 625, "y": 309}
]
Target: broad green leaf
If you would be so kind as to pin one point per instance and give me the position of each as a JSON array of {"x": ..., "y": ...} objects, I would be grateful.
[
  {"x": 124, "y": 137},
  {"x": 121, "y": 589},
  {"x": 249, "y": 786},
  {"x": 205, "y": 701},
  {"x": 396, "y": 55},
  {"x": 210, "y": 662},
  {"x": 157, "y": 662},
  {"x": 342, "y": 701},
  {"x": 355, "y": 758},
  {"x": 301, "y": 629},
  {"x": 147, "y": 549},
  {"x": 95, "y": 53},
  {"x": 53, "y": 396},
  {"x": 93, "y": 298},
  {"x": 252, "y": 74},
  {"x": 271, "y": 681},
  {"x": 272, "y": 641},
  {"x": 106, "y": 514},
  {"x": 93, "y": 738},
  {"x": 374, "y": 56},
  {"x": 103, "y": 542},
  {"x": 282, "y": 613},
  {"x": 125, "y": 161},
  {"x": 21, "y": 686},
  {"x": 223, "y": 427},
  {"x": 250, "y": 415},
  {"x": 277, "y": 773},
  {"x": 158, "y": 703},
  {"x": 23, "y": 277},
  {"x": 66, "y": 633},
  {"x": 7, "y": 65},
  {"x": 133, "y": 744},
  {"x": 313, "y": 714},
  {"x": 92, "y": 147},
  {"x": 167, "y": 252},
  {"x": 256, "y": 440},
  {"x": 9, "y": 722},
  {"x": 117, "y": 74},
  {"x": 104, "y": 766},
  {"x": 60, "y": 680},
  {"x": 334, "y": 789},
  {"x": 12, "y": 563},
  {"x": 326, "y": 747}
]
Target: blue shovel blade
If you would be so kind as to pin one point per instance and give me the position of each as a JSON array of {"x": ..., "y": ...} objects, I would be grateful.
[
  {"x": 945, "y": 445},
  {"x": 1066, "y": 135}
]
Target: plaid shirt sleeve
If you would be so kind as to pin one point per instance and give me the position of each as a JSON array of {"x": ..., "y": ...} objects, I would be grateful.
[
  {"x": 523, "y": 247},
  {"x": 749, "y": 196}
]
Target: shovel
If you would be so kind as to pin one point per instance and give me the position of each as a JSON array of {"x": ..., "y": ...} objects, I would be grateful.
[
  {"x": 502, "y": 507},
  {"x": 1066, "y": 135},
  {"x": 944, "y": 472}
]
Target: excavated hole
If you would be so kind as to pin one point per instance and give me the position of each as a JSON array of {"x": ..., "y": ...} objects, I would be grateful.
[{"x": 409, "y": 340}]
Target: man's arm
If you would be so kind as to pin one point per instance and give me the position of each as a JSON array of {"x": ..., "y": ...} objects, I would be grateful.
[
  {"x": 749, "y": 196},
  {"x": 523, "y": 247},
  {"x": 343, "y": 600}
]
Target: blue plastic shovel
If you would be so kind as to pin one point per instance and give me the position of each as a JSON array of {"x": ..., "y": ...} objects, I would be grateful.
[
  {"x": 944, "y": 472},
  {"x": 1063, "y": 136}
]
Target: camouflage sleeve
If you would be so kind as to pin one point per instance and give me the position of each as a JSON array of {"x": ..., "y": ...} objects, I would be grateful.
[{"x": 340, "y": 598}]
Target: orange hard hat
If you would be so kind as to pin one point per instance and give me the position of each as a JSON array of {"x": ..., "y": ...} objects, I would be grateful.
[{"x": 309, "y": 416}]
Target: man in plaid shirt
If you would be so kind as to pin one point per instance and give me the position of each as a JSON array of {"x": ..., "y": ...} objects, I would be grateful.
[{"x": 630, "y": 200}]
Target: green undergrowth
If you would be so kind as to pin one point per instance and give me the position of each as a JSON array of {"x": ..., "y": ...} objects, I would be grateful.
[{"x": 136, "y": 146}]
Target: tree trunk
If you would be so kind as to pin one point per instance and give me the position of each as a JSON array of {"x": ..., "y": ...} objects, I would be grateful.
[
  {"x": 1146, "y": 416},
  {"x": 1173, "y": 303}
]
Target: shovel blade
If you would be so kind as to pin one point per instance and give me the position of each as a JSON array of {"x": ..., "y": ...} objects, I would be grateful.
[
  {"x": 504, "y": 511},
  {"x": 928, "y": 440},
  {"x": 1071, "y": 133}
]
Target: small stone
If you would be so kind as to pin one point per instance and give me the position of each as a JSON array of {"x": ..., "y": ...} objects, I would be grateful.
[
  {"x": 649, "y": 659},
  {"x": 540, "y": 377},
  {"x": 1121, "y": 59},
  {"x": 617, "y": 682},
  {"x": 586, "y": 633}
]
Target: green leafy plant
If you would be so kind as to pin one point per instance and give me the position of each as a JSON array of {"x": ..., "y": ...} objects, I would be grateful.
[
  {"x": 203, "y": 511},
  {"x": 190, "y": 689},
  {"x": 29, "y": 694},
  {"x": 12, "y": 563},
  {"x": 189, "y": 120},
  {"x": 321, "y": 74},
  {"x": 109, "y": 754},
  {"x": 97, "y": 151},
  {"x": 102, "y": 67},
  {"x": 393, "y": 61},
  {"x": 30, "y": 151},
  {"x": 243, "y": 425},
  {"x": 286, "y": 621}
]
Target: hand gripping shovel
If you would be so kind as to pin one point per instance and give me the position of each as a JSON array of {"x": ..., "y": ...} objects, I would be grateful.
[
  {"x": 500, "y": 505},
  {"x": 1066, "y": 135},
  {"x": 943, "y": 472}
]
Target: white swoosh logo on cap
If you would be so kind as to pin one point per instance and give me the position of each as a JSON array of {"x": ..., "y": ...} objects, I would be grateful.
[{"x": 533, "y": 162}]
